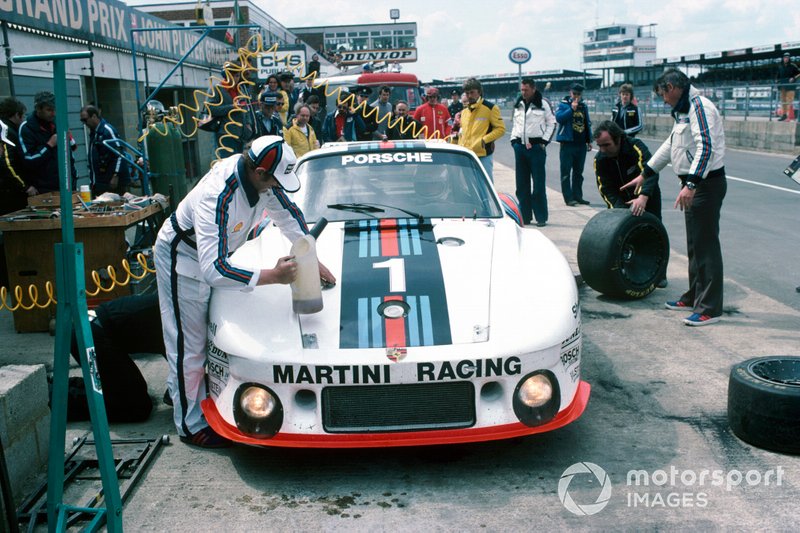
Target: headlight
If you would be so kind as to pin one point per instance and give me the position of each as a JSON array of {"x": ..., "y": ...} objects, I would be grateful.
[
  {"x": 257, "y": 402},
  {"x": 537, "y": 398},
  {"x": 257, "y": 410},
  {"x": 535, "y": 391}
]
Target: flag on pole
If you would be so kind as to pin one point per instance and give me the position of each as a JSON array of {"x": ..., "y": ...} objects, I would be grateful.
[{"x": 230, "y": 33}]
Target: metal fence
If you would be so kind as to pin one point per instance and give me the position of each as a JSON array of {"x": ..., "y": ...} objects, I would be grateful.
[{"x": 754, "y": 101}]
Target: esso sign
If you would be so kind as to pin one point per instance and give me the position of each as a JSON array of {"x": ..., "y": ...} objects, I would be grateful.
[{"x": 519, "y": 55}]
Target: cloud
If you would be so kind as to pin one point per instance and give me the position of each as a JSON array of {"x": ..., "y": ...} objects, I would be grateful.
[{"x": 474, "y": 37}]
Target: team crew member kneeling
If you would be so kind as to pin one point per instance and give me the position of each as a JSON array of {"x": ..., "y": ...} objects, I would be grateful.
[{"x": 192, "y": 255}]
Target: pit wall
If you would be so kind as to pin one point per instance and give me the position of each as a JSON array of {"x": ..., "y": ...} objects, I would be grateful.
[{"x": 759, "y": 135}]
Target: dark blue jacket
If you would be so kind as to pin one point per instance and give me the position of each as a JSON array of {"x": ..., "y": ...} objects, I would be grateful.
[
  {"x": 104, "y": 163},
  {"x": 352, "y": 126},
  {"x": 41, "y": 160},
  {"x": 564, "y": 117},
  {"x": 268, "y": 125}
]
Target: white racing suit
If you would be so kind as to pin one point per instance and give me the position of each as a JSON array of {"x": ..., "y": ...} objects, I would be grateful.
[{"x": 192, "y": 255}]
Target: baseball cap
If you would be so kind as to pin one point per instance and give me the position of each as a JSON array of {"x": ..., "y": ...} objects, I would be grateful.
[
  {"x": 576, "y": 87},
  {"x": 269, "y": 98},
  {"x": 271, "y": 153},
  {"x": 432, "y": 91}
]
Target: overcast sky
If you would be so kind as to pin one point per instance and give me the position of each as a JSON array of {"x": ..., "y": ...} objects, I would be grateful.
[{"x": 469, "y": 37}]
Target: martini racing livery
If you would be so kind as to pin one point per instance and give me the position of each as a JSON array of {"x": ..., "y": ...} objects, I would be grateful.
[{"x": 449, "y": 322}]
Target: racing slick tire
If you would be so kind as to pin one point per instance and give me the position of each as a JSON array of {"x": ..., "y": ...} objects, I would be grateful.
[
  {"x": 764, "y": 402},
  {"x": 621, "y": 255}
]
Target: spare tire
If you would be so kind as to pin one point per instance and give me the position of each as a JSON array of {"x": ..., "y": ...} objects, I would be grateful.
[
  {"x": 764, "y": 402},
  {"x": 622, "y": 255}
]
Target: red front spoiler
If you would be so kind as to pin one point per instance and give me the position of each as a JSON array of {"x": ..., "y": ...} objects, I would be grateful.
[{"x": 413, "y": 438}]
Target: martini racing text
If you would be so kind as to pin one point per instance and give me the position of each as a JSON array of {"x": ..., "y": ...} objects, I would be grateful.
[{"x": 382, "y": 374}]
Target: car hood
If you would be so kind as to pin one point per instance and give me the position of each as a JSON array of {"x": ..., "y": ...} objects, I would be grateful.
[{"x": 440, "y": 273}]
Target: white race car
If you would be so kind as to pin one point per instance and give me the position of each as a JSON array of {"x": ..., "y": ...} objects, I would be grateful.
[{"x": 449, "y": 322}]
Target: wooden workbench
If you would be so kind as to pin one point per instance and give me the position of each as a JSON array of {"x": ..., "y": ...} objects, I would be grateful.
[{"x": 30, "y": 256}]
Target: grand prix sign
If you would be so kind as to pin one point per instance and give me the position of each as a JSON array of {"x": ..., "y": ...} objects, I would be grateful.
[{"x": 520, "y": 55}]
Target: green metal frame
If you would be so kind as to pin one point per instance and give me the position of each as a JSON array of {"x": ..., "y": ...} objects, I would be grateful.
[{"x": 72, "y": 316}]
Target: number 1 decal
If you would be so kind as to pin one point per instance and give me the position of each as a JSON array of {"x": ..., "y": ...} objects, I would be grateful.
[{"x": 397, "y": 273}]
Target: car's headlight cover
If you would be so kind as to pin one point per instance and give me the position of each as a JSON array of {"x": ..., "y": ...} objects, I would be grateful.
[
  {"x": 537, "y": 398},
  {"x": 257, "y": 402},
  {"x": 257, "y": 410},
  {"x": 535, "y": 391}
]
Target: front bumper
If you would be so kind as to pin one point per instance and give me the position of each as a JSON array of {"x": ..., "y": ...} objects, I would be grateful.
[{"x": 412, "y": 438}]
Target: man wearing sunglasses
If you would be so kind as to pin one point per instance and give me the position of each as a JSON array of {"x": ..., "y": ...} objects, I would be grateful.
[
  {"x": 342, "y": 124},
  {"x": 433, "y": 116},
  {"x": 192, "y": 255}
]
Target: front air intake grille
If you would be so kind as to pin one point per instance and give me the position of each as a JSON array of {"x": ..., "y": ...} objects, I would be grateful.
[{"x": 374, "y": 408}]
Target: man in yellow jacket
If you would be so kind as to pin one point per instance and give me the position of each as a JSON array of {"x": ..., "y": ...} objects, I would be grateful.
[
  {"x": 481, "y": 125},
  {"x": 300, "y": 135}
]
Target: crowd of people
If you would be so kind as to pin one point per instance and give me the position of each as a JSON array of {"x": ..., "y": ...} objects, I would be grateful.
[
  {"x": 274, "y": 126},
  {"x": 627, "y": 173},
  {"x": 29, "y": 157}
]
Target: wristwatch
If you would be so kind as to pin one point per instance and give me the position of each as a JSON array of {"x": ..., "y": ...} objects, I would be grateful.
[{"x": 691, "y": 185}]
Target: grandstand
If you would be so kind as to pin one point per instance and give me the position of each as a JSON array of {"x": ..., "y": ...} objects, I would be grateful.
[{"x": 500, "y": 87}]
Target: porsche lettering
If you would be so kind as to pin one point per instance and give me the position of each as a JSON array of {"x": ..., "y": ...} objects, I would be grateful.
[
  {"x": 387, "y": 157},
  {"x": 332, "y": 375},
  {"x": 465, "y": 369}
]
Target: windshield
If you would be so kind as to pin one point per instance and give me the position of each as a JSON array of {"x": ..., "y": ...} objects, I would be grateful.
[{"x": 391, "y": 184}]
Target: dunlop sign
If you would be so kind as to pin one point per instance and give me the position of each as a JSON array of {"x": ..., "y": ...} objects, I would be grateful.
[
  {"x": 519, "y": 55},
  {"x": 401, "y": 55}
]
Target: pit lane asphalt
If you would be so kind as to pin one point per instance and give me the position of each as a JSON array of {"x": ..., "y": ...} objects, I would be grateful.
[{"x": 658, "y": 403}]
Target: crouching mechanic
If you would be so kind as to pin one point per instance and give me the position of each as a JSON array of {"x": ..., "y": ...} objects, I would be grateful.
[
  {"x": 192, "y": 255},
  {"x": 619, "y": 160}
]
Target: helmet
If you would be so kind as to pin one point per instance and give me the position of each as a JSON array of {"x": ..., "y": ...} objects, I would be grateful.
[{"x": 431, "y": 186}]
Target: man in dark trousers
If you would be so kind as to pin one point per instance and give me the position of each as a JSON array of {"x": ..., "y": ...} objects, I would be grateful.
[
  {"x": 120, "y": 327},
  {"x": 108, "y": 172},
  {"x": 696, "y": 150},
  {"x": 574, "y": 135}
]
